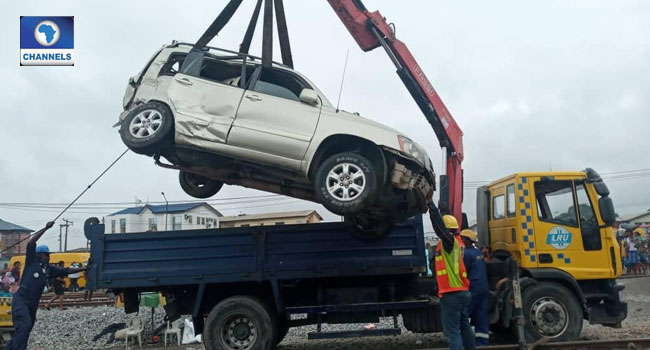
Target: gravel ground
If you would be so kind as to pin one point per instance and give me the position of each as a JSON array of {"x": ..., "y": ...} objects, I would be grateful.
[{"x": 74, "y": 329}]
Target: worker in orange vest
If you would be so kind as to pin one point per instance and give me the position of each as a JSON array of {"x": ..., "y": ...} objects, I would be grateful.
[{"x": 453, "y": 284}]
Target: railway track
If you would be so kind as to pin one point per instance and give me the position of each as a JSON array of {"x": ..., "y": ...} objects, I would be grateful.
[
  {"x": 618, "y": 344},
  {"x": 76, "y": 299}
]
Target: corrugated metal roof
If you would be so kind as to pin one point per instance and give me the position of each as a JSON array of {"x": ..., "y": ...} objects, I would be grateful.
[
  {"x": 286, "y": 214},
  {"x": 7, "y": 226},
  {"x": 162, "y": 208}
]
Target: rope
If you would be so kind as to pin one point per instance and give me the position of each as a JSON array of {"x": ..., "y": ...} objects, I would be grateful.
[{"x": 75, "y": 200}]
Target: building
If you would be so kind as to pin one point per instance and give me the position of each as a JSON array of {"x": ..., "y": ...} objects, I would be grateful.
[
  {"x": 638, "y": 219},
  {"x": 283, "y": 218},
  {"x": 10, "y": 234},
  {"x": 177, "y": 216}
]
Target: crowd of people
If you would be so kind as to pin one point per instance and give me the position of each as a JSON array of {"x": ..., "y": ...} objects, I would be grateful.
[
  {"x": 10, "y": 277},
  {"x": 634, "y": 253}
]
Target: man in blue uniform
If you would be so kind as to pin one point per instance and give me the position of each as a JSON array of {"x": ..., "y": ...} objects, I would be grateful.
[
  {"x": 477, "y": 273},
  {"x": 25, "y": 301}
]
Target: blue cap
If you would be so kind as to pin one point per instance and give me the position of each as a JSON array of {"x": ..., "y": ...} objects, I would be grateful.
[{"x": 43, "y": 249}]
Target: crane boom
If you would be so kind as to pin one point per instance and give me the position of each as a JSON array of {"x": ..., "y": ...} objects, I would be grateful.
[{"x": 370, "y": 30}]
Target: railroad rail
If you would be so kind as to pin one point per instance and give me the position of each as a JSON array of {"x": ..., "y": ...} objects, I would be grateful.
[
  {"x": 610, "y": 344},
  {"x": 76, "y": 299}
]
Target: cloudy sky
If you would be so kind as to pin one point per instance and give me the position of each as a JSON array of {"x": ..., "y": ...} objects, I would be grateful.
[{"x": 535, "y": 85}]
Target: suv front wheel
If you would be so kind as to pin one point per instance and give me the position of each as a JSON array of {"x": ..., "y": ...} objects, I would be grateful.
[
  {"x": 346, "y": 183},
  {"x": 148, "y": 128}
]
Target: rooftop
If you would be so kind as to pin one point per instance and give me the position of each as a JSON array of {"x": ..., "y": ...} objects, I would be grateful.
[
  {"x": 285, "y": 214},
  {"x": 163, "y": 208},
  {"x": 7, "y": 226}
]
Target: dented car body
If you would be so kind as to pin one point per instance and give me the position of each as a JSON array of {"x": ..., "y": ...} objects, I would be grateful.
[{"x": 222, "y": 117}]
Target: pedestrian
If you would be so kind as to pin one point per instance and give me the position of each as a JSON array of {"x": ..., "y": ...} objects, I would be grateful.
[
  {"x": 478, "y": 287},
  {"x": 632, "y": 252},
  {"x": 453, "y": 284},
  {"x": 74, "y": 278},
  {"x": 25, "y": 302},
  {"x": 57, "y": 283},
  {"x": 15, "y": 271}
]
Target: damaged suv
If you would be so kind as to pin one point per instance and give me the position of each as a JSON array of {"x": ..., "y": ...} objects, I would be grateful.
[{"x": 221, "y": 118}]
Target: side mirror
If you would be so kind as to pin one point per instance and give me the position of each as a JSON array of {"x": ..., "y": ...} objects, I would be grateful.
[
  {"x": 607, "y": 210},
  {"x": 310, "y": 97},
  {"x": 132, "y": 81}
]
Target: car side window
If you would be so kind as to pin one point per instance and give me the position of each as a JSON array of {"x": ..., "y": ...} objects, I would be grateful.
[
  {"x": 280, "y": 84},
  {"x": 222, "y": 72},
  {"x": 173, "y": 64}
]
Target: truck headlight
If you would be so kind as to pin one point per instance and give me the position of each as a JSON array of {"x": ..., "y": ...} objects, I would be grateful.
[{"x": 413, "y": 149}]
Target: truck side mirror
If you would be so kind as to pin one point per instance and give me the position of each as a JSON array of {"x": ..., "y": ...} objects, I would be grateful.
[
  {"x": 607, "y": 210},
  {"x": 309, "y": 96}
]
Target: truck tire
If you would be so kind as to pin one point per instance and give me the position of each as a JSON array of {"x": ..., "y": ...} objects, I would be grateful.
[
  {"x": 148, "y": 128},
  {"x": 346, "y": 183},
  {"x": 551, "y": 310},
  {"x": 240, "y": 323},
  {"x": 198, "y": 186}
]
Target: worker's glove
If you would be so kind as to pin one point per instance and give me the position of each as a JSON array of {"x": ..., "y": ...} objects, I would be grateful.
[{"x": 49, "y": 225}]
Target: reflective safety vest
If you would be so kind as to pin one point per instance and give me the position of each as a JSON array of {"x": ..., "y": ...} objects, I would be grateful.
[{"x": 450, "y": 269}]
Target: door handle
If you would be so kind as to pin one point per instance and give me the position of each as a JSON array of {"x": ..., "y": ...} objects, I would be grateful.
[
  {"x": 184, "y": 81},
  {"x": 254, "y": 98}
]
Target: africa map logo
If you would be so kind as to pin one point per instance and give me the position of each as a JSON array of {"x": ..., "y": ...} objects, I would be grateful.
[
  {"x": 47, "y": 33},
  {"x": 46, "y": 41}
]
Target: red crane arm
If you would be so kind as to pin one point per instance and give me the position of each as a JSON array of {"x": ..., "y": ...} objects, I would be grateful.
[{"x": 370, "y": 30}]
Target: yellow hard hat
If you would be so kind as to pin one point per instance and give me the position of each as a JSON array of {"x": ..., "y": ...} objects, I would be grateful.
[
  {"x": 467, "y": 233},
  {"x": 450, "y": 222}
]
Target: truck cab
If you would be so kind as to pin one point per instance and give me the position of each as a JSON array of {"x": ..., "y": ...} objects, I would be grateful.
[{"x": 558, "y": 227}]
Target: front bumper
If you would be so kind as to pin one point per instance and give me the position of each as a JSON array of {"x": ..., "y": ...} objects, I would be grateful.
[{"x": 612, "y": 311}]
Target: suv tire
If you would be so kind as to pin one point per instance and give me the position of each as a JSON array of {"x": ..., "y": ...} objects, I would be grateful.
[
  {"x": 346, "y": 183},
  {"x": 148, "y": 128},
  {"x": 370, "y": 226},
  {"x": 198, "y": 186}
]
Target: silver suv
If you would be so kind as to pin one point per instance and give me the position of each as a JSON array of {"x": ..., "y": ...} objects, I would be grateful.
[{"x": 221, "y": 118}]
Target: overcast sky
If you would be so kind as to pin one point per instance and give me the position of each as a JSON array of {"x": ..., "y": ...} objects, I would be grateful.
[{"x": 541, "y": 85}]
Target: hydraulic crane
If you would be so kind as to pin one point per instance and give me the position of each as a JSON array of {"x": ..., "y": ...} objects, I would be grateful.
[{"x": 370, "y": 30}]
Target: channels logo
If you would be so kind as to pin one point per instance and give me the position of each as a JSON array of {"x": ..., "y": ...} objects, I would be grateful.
[{"x": 46, "y": 41}]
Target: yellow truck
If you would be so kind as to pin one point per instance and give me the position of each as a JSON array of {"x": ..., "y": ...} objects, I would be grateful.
[
  {"x": 68, "y": 258},
  {"x": 558, "y": 227}
]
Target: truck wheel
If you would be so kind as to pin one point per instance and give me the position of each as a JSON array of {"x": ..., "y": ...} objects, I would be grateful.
[
  {"x": 148, "y": 128},
  {"x": 551, "y": 310},
  {"x": 240, "y": 323},
  {"x": 198, "y": 186},
  {"x": 370, "y": 226},
  {"x": 345, "y": 183}
]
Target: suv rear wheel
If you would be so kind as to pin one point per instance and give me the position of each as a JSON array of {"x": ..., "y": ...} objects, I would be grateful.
[
  {"x": 148, "y": 128},
  {"x": 346, "y": 183},
  {"x": 198, "y": 186},
  {"x": 370, "y": 226}
]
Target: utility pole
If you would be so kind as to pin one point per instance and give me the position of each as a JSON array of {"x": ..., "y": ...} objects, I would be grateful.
[
  {"x": 60, "y": 237},
  {"x": 68, "y": 223},
  {"x": 166, "y": 208}
]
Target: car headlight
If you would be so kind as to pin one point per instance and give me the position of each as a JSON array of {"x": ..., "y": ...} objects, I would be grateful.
[{"x": 413, "y": 149}]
